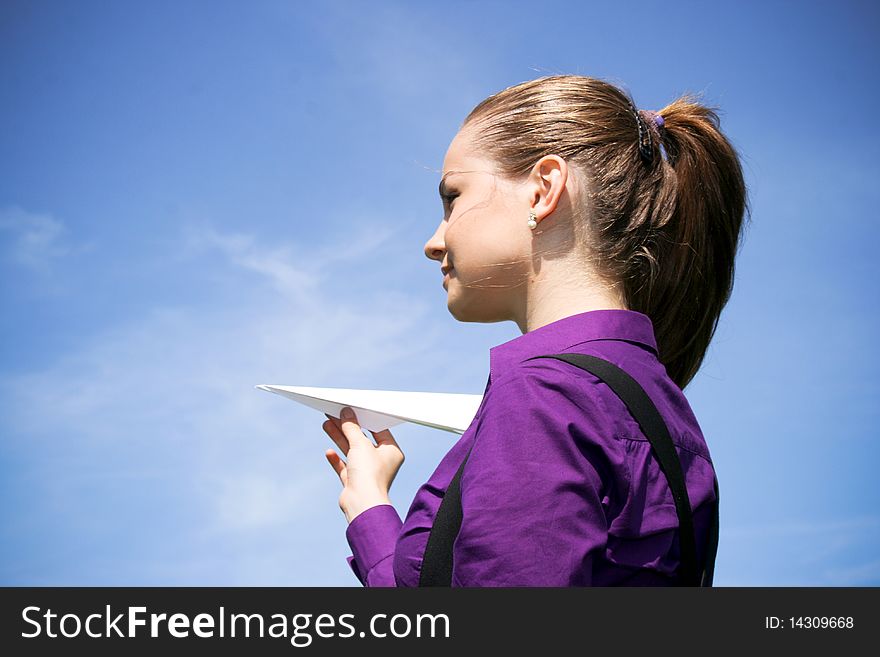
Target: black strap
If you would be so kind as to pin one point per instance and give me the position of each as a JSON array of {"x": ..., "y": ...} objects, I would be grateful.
[
  {"x": 712, "y": 548},
  {"x": 646, "y": 414},
  {"x": 437, "y": 560}
]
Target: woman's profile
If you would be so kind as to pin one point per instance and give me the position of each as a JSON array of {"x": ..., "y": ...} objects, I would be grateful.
[{"x": 603, "y": 231}]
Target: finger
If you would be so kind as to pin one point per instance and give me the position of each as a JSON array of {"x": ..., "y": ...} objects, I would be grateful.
[
  {"x": 337, "y": 436},
  {"x": 384, "y": 437},
  {"x": 351, "y": 428},
  {"x": 338, "y": 465},
  {"x": 336, "y": 421}
]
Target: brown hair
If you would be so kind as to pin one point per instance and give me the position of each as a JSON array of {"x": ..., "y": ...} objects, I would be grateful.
[{"x": 667, "y": 230}]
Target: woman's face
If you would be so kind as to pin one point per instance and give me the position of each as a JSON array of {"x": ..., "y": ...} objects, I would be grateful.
[{"x": 483, "y": 238}]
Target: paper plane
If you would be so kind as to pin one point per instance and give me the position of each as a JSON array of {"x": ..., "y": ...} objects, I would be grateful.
[{"x": 381, "y": 409}]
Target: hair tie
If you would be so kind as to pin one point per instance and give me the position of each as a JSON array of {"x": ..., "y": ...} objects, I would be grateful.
[
  {"x": 658, "y": 120},
  {"x": 646, "y": 142}
]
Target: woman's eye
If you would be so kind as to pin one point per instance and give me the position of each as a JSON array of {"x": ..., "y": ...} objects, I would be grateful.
[{"x": 448, "y": 199}]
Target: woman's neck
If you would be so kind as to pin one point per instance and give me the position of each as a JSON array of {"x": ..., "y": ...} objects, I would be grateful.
[{"x": 555, "y": 294}]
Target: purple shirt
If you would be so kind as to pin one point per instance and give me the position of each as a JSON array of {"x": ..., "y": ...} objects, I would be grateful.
[{"x": 561, "y": 488}]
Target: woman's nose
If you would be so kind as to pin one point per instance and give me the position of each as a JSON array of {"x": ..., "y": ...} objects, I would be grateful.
[{"x": 435, "y": 247}]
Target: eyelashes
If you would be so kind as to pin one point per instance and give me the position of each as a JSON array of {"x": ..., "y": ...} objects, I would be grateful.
[{"x": 447, "y": 201}]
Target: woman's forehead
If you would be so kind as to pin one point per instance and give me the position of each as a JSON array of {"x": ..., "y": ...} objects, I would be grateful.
[
  {"x": 463, "y": 159},
  {"x": 459, "y": 155}
]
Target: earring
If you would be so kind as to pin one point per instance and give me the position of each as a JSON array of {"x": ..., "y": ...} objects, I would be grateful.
[{"x": 532, "y": 223}]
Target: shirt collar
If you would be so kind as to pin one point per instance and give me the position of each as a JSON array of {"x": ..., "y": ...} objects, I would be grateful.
[{"x": 558, "y": 336}]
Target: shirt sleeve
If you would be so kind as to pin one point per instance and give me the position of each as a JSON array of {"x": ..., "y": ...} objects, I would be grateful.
[
  {"x": 372, "y": 536},
  {"x": 532, "y": 512}
]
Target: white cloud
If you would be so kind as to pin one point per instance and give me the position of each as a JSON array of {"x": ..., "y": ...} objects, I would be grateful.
[
  {"x": 32, "y": 240},
  {"x": 298, "y": 282},
  {"x": 857, "y": 574},
  {"x": 749, "y": 555},
  {"x": 165, "y": 406}
]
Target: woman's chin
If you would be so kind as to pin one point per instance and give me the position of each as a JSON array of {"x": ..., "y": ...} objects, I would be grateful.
[
  {"x": 454, "y": 305},
  {"x": 467, "y": 309}
]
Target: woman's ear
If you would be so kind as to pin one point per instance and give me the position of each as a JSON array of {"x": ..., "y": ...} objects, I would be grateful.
[{"x": 547, "y": 179}]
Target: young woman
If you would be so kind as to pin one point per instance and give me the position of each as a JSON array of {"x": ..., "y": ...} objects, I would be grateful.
[{"x": 599, "y": 229}]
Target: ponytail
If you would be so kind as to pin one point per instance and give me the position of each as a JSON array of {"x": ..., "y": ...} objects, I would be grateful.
[{"x": 695, "y": 234}]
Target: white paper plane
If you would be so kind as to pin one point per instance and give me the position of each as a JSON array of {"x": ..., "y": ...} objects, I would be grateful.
[{"x": 381, "y": 409}]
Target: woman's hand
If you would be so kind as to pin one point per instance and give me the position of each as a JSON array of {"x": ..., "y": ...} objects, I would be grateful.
[{"x": 368, "y": 470}]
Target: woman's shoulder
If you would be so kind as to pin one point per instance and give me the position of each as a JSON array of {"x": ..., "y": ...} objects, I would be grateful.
[
  {"x": 541, "y": 384},
  {"x": 559, "y": 409},
  {"x": 542, "y": 380},
  {"x": 576, "y": 397}
]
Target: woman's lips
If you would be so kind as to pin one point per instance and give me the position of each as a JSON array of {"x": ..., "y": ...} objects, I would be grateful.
[{"x": 447, "y": 276}]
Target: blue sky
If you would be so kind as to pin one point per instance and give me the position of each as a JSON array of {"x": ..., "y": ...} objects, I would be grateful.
[{"x": 198, "y": 197}]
